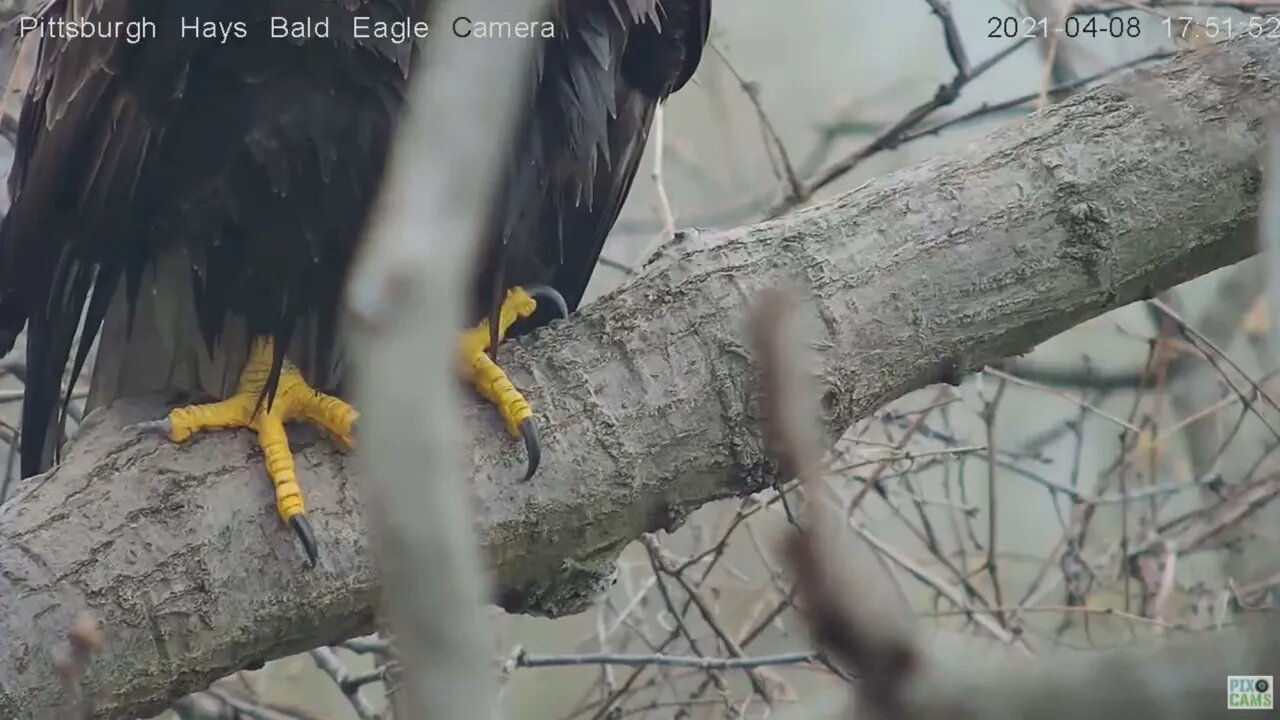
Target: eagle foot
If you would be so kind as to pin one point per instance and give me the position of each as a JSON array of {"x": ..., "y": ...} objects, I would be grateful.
[
  {"x": 294, "y": 400},
  {"x": 491, "y": 381}
]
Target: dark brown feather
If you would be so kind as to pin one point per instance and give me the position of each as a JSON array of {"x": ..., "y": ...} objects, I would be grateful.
[
  {"x": 258, "y": 158},
  {"x": 585, "y": 133}
]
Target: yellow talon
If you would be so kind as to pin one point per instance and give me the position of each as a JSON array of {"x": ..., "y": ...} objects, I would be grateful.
[
  {"x": 489, "y": 379},
  {"x": 294, "y": 400}
]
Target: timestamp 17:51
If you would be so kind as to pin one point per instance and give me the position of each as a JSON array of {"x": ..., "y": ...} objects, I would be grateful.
[
  {"x": 1213, "y": 28},
  {"x": 1186, "y": 27}
]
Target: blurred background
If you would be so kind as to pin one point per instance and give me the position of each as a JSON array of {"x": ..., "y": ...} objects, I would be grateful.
[{"x": 1103, "y": 442}]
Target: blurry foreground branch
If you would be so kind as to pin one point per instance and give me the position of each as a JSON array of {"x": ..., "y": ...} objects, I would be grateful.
[
  {"x": 406, "y": 305},
  {"x": 848, "y": 601},
  {"x": 856, "y": 618},
  {"x": 647, "y": 397}
]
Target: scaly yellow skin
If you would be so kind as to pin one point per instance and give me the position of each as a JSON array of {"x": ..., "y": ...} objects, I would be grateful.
[
  {"x": 296, "y": 400},
  {"x": 484, "y": 374}
]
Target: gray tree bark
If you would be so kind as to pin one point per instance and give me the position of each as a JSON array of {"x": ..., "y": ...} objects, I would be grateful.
[{"x": 647, "y": 397}]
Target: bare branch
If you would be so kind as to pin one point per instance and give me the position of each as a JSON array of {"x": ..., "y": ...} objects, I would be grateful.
[{"x": 701, "y": 663}]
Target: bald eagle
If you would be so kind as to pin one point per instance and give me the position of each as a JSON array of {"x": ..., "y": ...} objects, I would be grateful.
[{"x": 194, "y": 199}]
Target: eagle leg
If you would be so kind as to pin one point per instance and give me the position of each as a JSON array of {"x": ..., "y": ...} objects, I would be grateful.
[
  {"x": 489, "y": 379},
  {"x": 247, "y": 408}
]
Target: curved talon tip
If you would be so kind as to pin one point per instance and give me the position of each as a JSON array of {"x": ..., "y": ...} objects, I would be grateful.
[
  {"x": 550, "y": 294},
  {"x": 163, "y": 426},
  {"x": 302, "y": 528},
  {"x": 529, "y": 431}
]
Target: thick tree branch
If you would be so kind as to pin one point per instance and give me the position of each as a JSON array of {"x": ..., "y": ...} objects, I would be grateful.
[{"x": 647, "y": 397}]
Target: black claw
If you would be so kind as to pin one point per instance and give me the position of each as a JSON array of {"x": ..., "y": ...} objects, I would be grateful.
[
  {"x": 538, "y": 291},
  {"x": 529, "y": 431},
  {"x": 302, "y": 528}
]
